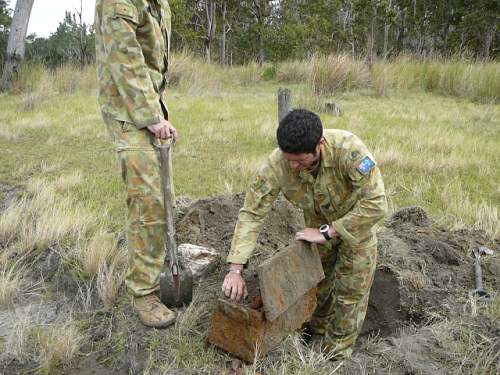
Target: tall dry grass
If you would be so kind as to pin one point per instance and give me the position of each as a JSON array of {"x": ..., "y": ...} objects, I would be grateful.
[
  {"x": 479, "y": 81},
  {"x": 43, "y": 218},
  {"x": 325, "y": 74},
  {"x": 337, "y": 73}
]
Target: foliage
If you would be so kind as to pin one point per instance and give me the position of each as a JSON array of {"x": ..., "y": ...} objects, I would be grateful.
[
  {"x": 5, "y": 20},
  {"x": 298, "y": 29},
  {"x": 272, "y": 31},
  {"x": 72, "y": 42}
]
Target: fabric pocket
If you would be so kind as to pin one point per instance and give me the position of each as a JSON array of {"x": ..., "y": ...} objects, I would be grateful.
[{"x": 126, "y": 11}]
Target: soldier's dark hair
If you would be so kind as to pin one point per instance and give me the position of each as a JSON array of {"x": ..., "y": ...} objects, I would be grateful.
[{"x": 299, "y": 132}]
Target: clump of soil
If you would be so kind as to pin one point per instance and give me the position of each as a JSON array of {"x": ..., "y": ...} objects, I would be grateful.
[{"x": 211, "y": 222}]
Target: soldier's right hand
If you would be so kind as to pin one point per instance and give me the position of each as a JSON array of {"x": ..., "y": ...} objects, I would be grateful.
[
  {"x": 234, "y": 286},
  {"x": 163, "y": 130}
]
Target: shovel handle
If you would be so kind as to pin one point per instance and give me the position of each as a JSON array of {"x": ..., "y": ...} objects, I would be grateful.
[{"x": 165, "y": 150}]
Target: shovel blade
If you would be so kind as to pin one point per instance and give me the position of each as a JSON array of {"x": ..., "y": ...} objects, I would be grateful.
[{"x": 176, "y": 291}]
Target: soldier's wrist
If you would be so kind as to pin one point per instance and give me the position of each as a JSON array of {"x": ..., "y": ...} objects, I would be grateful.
[{"x": 236, "y": 268}]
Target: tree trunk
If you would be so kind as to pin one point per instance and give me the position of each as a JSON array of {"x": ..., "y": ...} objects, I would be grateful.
[
  {"x": 387, "y": 26},
  {"x": 260, "y": 12},
  {"x": 261, "y": 44},
  {"x": 224, "y": 31},
  {"x": 82, "y": 38},
  {"x": 211, "y": 25},
  {"x": 16, "y": 43},
  {"x": 370, "y": 42},
  {"x": 488, "y": 41}
]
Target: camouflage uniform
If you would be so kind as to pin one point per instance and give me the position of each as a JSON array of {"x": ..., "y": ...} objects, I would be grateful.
[
  {"x": 345, "y": 194},
  {"x": 132, "y": 51}
]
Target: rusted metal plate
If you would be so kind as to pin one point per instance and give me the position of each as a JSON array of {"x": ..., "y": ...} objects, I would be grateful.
[
  {"x": 245, "y": 332},
  {"x": 287, "y": 276}
]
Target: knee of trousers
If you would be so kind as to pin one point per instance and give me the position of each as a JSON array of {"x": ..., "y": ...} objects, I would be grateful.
[{"x": 145, "y": 211}]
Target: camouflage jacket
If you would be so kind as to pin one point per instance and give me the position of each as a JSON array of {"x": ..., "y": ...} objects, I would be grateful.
[
  {"x": 132, "y": 51},
  {"x": 348, "y": 192}
]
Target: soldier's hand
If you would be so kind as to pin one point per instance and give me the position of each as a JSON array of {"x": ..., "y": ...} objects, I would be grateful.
[
  {"x": 234, "y": 287},
  {"x": 312, "y": 235},
  {"x": 163, "y": 130}
]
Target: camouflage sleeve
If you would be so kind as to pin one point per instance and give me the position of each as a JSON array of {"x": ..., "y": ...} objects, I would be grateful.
[
  {"x": 258, "y": 202},
  {"x": 371, "y": 205},
  {"x": 126, "y": 62}
]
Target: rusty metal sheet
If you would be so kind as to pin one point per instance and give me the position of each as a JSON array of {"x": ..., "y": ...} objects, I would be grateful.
[
  {"x": 245, "y": 333},
  {"x": 287, "y": 276}
]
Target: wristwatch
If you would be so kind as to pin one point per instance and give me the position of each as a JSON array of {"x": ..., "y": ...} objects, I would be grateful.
[{"x": 324, "y": 229}]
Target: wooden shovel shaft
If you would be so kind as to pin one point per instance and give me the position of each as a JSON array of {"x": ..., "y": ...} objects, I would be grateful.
[{"x": 166, "y": 179}]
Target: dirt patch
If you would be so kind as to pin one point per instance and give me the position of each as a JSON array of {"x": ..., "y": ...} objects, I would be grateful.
[
  {"x": 424, "y": 274},
  {"x": 8, "y": 194},
  {"x": 385, "y": 313}
]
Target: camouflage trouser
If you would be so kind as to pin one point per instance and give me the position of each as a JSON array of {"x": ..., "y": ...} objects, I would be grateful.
[
  {"x": 343, "y": 294},
  {"x": 146, "y": 227}
]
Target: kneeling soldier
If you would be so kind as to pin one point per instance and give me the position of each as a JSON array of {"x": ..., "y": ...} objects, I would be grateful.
[{"x": 334, "y": 179}]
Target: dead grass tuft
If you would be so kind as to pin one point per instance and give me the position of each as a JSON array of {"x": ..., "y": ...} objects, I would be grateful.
[
  {"x": 188, "y": 322},
  {"x": 12, "y": 283},
  {"x": 43, "y": 219},
  {"x": 99, "y": 251},
  {"x": 109, "y": 280},
  {"x": 336, "y": 73},
  {"x": 58, "y": 345},
  {"x": 19, "y": 343},
  {"x": 468, "y": 351},
  {"x": 295, "y": 71},
  {"x": 416, "y": 279},
  {"x": 463, "y": 212}
]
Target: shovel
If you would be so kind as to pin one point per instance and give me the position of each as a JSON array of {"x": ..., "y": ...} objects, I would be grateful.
[{"x": 176, "y": 280}]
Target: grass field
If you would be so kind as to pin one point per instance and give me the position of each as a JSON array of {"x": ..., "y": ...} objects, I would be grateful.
[{"x": 437, "y": 148}]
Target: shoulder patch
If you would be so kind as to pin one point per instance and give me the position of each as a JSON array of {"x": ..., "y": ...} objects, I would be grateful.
[{"x": 366, "y": 165}]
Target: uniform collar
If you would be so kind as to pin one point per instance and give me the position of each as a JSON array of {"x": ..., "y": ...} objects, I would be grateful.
[{"x": 326, "y": 154}]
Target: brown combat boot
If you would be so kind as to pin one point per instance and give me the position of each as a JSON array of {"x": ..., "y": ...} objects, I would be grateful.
[{"x": 152, "y": 312}]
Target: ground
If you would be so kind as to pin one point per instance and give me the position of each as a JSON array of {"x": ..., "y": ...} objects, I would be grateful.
[
  {"x": 64, "y": 310},
  {"x": 419, "y": 305}
]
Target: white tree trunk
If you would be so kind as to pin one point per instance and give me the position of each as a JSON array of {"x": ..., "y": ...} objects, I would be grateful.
[
  {"x": 16, "y": 43},
  {"x": 224, "y": 32},
  {"x": 211, "y": 26}
]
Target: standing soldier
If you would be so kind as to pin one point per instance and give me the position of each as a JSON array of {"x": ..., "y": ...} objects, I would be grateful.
[
  {"x": 132, "y": 52},
  {"x": 334, "y": 179}
]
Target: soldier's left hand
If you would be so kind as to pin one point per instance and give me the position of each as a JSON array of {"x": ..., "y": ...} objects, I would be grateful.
[
  {"x": 163, "y": 130},
  {"x": 312, "y": 235}
]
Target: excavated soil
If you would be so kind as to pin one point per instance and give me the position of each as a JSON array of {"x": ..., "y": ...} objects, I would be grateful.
[
  {"x": 424, "y": 272},
  {"x": 422, "y": 269}
]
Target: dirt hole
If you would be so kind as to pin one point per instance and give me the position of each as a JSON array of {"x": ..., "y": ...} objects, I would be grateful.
[{"x": 385, "y": 312}]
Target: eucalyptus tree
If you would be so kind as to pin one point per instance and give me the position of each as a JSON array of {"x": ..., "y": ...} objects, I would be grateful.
[{"x": 16, "y": 44}]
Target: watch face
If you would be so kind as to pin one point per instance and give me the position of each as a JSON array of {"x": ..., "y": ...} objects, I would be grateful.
[{"x": 324, "y": 228}]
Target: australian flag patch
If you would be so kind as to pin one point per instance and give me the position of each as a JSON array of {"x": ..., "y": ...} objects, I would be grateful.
[{"x": 366, "y": 165}]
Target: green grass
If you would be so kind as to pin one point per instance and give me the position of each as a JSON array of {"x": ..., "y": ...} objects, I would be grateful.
[
  {"x": 436, "y": 152},
  {"x": 439, "y": 152}
]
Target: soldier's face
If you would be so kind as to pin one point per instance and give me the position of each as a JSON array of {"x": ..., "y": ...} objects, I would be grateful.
[{"x": 299, "y": 162}]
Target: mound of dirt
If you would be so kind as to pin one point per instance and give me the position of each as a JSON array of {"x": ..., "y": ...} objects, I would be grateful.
[
  {"x": 211, "y": 222},
  {"x": 422, "y": 269}
]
